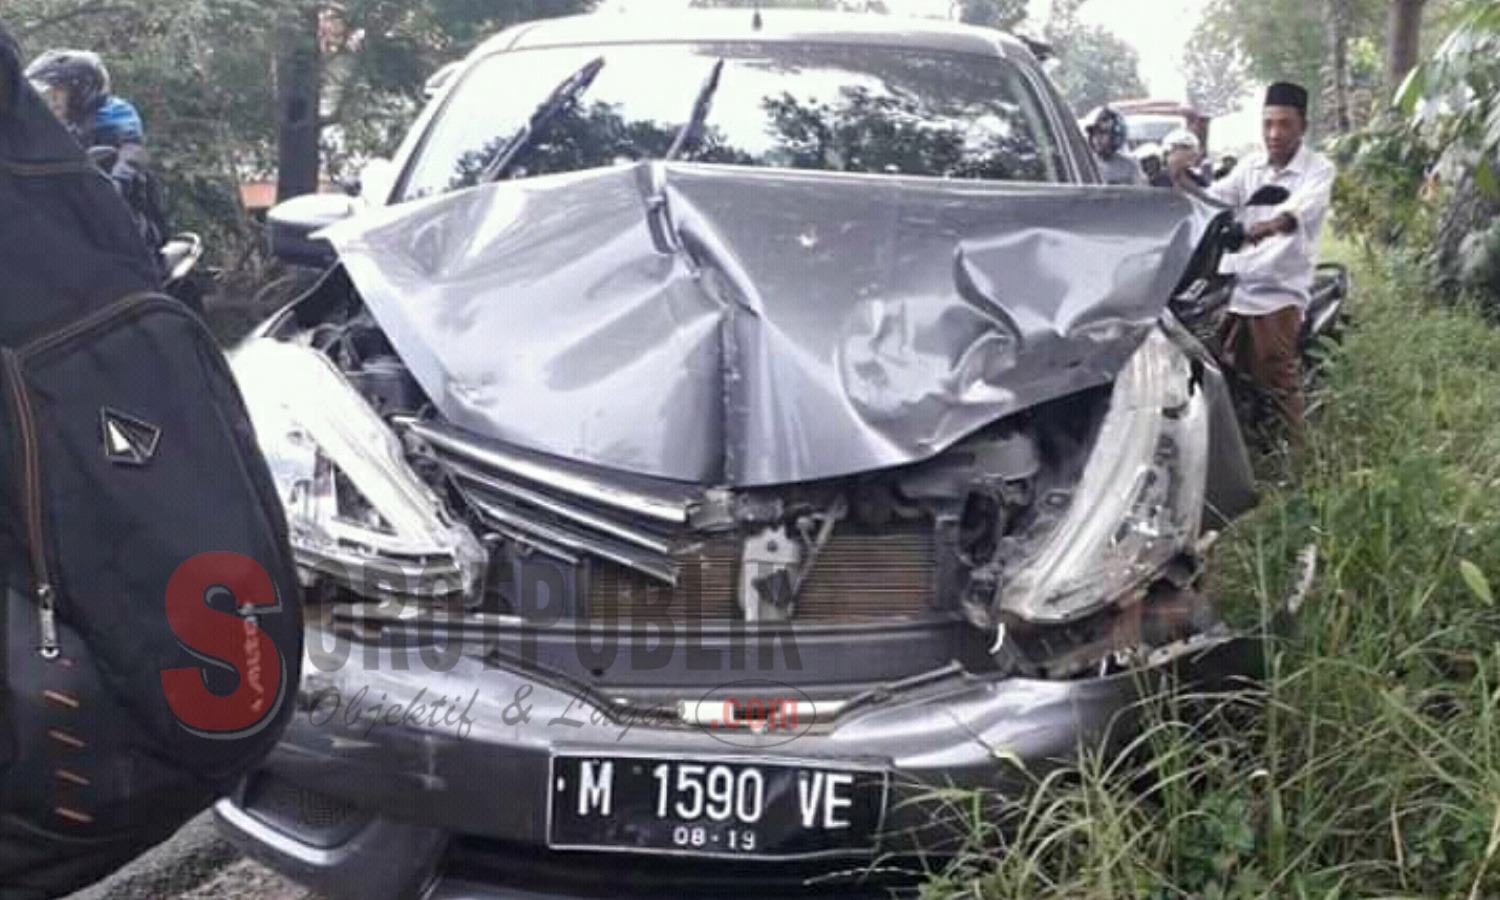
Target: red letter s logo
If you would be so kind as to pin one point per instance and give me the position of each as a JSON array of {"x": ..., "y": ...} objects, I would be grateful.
[{"x": 223, "y": 638}]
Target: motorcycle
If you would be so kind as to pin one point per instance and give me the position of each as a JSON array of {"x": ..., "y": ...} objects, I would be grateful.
[
  {"x": 179, "y": 253},
  {"x": 1202, "y": 304}
]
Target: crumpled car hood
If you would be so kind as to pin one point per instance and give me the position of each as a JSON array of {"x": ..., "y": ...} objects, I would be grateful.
[{"x": 747, "y": 327}]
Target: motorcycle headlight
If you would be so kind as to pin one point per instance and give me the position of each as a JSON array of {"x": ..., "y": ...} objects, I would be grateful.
[
  {"x": 1139, "y": 501},
  {"x": 355, "y": 510}
]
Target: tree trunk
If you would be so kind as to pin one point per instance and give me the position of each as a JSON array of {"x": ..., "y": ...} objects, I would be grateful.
[
  {"x": 298, "y": 79},
  {"x": 1469, "y": 212},
  {"x": 1336, "y": 66},
  {"x": 1405, "y": 38}
]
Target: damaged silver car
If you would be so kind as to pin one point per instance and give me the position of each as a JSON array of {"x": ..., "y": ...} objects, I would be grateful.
[{"x": 707, "y": 437}]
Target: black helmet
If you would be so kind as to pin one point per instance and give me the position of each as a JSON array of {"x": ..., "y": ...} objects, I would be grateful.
[
  {"x": 80, "y": 72},
  {"x": 1112, "y": 123}
]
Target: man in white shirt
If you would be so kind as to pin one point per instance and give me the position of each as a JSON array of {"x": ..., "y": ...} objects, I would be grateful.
[{"x": 1275, "y": 269}]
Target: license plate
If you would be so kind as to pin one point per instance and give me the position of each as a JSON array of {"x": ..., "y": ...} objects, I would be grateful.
[{"x": 739, "y": 808}]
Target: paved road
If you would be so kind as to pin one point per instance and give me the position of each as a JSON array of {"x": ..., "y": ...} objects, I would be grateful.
[{"x": 196, "y": 864}]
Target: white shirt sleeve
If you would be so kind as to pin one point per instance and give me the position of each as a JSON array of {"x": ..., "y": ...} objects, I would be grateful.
[
  {"x": 1309, "y": 203},
  {"x": 1231, "y": 188}
]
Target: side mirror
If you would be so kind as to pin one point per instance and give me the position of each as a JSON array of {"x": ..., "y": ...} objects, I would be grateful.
[
  {"x": 290, "y": 225},
  {"x": 1269, "y": 195}
]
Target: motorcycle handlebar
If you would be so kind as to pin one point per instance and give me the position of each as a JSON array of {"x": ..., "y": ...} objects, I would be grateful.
[
  {"x": 1186, "y": 185},
  {"x": 1265, "y": 195}
]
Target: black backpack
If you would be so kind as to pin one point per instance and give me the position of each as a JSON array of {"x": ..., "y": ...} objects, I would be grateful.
[{"x": 151, "y": 620}]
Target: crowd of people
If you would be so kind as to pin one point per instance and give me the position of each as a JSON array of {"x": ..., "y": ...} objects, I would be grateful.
[
  {"x": 1150, "y": 162},
  {"x": 1275, "y": 272}
]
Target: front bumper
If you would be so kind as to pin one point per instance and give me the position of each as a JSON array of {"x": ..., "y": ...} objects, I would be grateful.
[{"x": 450, "y": 800}]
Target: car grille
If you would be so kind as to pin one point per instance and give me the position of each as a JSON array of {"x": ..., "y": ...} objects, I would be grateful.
[
  {"x": 640, "y": 556},
  {"x": 856, "y": 576}
]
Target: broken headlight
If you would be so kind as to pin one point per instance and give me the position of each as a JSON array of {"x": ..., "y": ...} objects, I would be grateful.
[
  {"x": 1139, "y": 501},
  {"x": 356, "y": 512}
]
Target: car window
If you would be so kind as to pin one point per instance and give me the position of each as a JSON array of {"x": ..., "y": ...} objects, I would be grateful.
[{"x": 808, "y": 106}]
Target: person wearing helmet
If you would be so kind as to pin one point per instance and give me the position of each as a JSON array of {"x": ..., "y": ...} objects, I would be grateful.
[
  {"x": 1152, "y": 163},
  {"x": 76, "y": 86},
  {"x": 1106, "y": 133},
  {"x": 1184, "y": 151}
]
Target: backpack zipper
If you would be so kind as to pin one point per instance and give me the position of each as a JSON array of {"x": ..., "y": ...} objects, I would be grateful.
[
  {"x": 44, "y": 169},
  {"x": 116, "y": 310},
  {"x": 31, "y": 493}
]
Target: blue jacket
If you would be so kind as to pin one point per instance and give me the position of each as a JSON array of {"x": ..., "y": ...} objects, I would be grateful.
[{"x": 117, "y": 124}]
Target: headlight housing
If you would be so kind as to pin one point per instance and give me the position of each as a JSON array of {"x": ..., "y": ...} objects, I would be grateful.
[
  {"x": 1139, "y": 501},
  {"x": 356, "y": 512}
]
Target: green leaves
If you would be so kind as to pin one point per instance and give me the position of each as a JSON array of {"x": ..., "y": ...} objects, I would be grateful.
[
  {"x": 1450, "y": 101},
  {"x": 1484, "y": 176},
  {"x": 1478, "y": 585},
  {"x": 1411, "y": 91},
  {"x": 1445, "y": 123},
  {"x": 1452, "y": 95}
]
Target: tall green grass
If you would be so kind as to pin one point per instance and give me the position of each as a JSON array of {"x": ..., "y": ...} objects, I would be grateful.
[{"x": 1368, "y": 764}]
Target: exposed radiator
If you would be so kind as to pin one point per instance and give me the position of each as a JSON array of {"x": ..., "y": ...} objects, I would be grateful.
[
  {"x": 857, "y": 576},
  {"x": 639, "y": 555}
]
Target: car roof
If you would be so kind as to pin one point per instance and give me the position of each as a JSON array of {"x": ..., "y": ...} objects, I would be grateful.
[{"x": 777, "y": 25}]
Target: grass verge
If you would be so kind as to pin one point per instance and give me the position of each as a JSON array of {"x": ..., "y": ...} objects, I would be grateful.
[{"x": 1368, "y": 765}]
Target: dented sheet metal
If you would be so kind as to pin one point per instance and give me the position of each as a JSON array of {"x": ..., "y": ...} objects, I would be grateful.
[{"x": 751, "y": 327}]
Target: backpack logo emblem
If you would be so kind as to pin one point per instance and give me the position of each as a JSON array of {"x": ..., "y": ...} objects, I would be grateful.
[{"x": 127, "y": 440}]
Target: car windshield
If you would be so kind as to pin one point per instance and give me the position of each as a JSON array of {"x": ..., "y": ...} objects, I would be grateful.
[{"x": 853, "y": 108}]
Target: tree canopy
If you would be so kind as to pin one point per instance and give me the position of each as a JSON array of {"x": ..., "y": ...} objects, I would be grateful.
[
  {"x": 236, "y": 90},
  {"x": 205, "y": 75},
  {"x": 1094, "y": 66},
  {"x": 1314, "y": 44},
  {"x": 1002, "y": 14}
]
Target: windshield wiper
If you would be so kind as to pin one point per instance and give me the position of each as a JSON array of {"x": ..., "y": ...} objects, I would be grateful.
[
  {"x": 700, "y": 111},
  {"x": 562, "y": 95}
]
